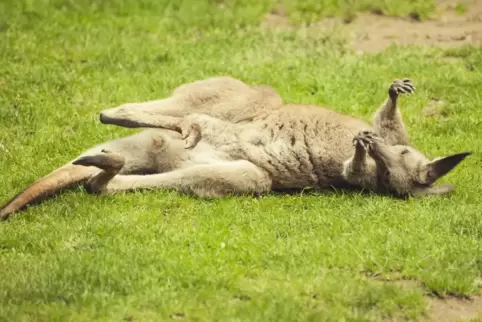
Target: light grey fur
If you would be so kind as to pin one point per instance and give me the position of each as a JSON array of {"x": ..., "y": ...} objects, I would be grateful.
[{"x": 220, "y": 136}]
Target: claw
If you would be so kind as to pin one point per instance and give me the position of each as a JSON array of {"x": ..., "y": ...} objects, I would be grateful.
[
  {"x": 359, "y": 143},
  {"x": 403, "y": 86},
  {"x": 369, "y": 138}
]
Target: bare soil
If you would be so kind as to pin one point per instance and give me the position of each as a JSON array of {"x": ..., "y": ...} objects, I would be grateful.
[
  {"x": 454, "y": 309},
  {"x": 449, "y": 308},
  {"x": 371, "y": 32}
]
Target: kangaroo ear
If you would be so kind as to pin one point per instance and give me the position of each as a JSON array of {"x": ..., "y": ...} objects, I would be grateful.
[{"x": 441, "y": 167}]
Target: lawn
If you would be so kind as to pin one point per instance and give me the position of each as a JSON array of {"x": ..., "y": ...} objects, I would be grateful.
[{"x": 160, "y": 255}]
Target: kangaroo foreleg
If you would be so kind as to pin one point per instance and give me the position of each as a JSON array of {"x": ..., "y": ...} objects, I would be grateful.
[
  {"x": 360, "y": 170},
  {"x": 388, "y": 120}
]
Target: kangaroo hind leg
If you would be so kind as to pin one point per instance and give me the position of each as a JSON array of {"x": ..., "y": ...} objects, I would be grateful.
[
  {"x": 138, "y": 151},
  {"x": 206, "y": 180},
  {"x": 212, "y": 95}
]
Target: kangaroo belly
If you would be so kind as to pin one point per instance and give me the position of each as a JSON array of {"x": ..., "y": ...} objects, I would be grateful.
[{"x": 304, "y": 149}]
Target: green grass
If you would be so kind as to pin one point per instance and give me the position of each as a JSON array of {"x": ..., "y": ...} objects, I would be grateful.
[
  {"x": 310, "y": 11},
  {"x": 160, "y": 255}
]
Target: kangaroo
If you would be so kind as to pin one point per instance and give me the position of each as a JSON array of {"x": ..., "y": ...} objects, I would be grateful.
[{"x": 220, "y": 136}]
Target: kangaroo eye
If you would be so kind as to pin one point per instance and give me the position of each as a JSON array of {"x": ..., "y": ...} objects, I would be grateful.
[{"x": 405, "y": 151}]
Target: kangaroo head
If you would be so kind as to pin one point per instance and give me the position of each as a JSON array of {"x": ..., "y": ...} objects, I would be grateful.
[{"x": 410, "y": 173}]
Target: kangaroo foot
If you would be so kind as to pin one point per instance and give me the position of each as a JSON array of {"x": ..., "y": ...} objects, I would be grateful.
[
  {"x": 106, "y": 160},
  {"x": 110, "y": 163}
]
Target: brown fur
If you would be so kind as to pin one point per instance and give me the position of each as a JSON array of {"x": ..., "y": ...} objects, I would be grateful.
[
  {"x": 59, "y": 179},
  {"x": 220, "y": 136}
]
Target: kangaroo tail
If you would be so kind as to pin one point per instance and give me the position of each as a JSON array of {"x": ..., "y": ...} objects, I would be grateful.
[{"x": 62, "y": 178}]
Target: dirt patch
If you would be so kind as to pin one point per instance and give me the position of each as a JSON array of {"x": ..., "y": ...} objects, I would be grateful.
[
  {"x": 277, "y": 19},
  {"x": 370, "y": 32},
  {"x": 435, "y": 109},
  {"x": 454, "y": 309},
  {"x": 447, "y": 309}
]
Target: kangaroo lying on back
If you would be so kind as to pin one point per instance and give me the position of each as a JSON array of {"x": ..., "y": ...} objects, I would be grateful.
[{"x": 220, "y": 136}]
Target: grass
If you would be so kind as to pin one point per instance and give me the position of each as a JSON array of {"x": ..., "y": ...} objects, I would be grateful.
[
  {"x": 160, "y": 255},
  {"x": 312, "y": 10}
]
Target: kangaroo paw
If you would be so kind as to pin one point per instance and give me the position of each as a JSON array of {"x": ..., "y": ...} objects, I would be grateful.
[
  {"x": 369, "y": 140},
  {"x": 400, "y": 86},
  {"x": 360, "y": 143},
  {"x": 191, "y": 133},
  {"x": 367, "y": 137}
]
